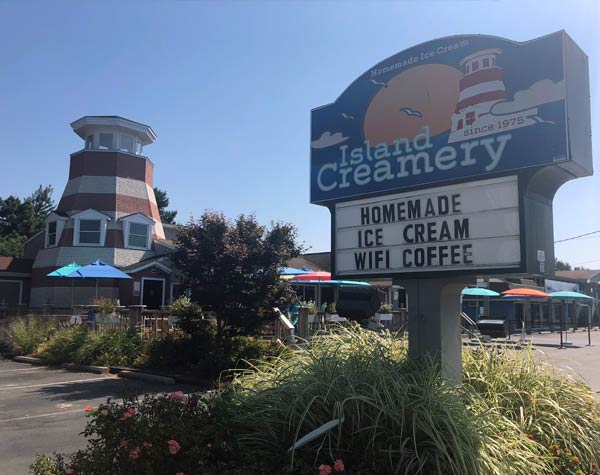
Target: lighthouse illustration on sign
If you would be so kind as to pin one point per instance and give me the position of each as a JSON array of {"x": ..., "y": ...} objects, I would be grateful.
[{"x": 483, "y": 108}]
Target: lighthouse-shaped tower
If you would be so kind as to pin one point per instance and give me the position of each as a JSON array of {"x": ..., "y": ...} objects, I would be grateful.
[
  {"x": 481, "y": 87},
  {"x": 107, "y": 211}
]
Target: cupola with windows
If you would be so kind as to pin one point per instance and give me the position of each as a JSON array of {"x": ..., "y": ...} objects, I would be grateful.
[{"x": 113, "y": 133}]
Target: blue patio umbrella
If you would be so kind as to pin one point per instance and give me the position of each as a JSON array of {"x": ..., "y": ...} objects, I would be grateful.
[
  {"x": 98, "y": 270},
  {"x": 564, "y": 294},
  {"x": 64, "y": 272},
  {"x": 294, "y": 271}
]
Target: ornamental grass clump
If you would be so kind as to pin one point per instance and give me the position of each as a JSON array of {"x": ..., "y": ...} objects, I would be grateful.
[
  {"x": 25, "y": 335},
  {"x": 512, "y": 415},
  {"x": 393, "y": 416},
  {"x": 531, "y": 416}
]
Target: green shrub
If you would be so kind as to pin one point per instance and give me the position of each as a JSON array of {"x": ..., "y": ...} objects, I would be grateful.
[
  {"x": 76, "y": 344},
  {"x": 176, "y": 350},
  {"x": 25, "y": 335},
  {"x": 114, "y": 347},
  {"x": 59, "y": 348}
]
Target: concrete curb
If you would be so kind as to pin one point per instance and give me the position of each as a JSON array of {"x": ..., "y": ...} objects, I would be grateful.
[
  {"x": 151, "y": 378},
  {"x": 28, "y": 359},
  {"x": 85, "y": 368}
]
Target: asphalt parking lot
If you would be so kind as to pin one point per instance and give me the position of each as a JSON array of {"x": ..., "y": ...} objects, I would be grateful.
[
  {"x": 576, "y": 358},
  {"x": 42, "y": 410}
]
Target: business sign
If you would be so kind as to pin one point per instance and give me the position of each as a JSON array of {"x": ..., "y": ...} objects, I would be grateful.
[
  {"x": 559, "y": 286},
  {"x": 454, "y": 109},
  {"x": 470, "y": 226}
]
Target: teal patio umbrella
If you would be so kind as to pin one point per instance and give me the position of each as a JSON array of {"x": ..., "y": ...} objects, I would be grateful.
[
  {"x": 479, "y": 292},
  {"x": 565, "y": 295},
  {"x": 64, "y": 272}
]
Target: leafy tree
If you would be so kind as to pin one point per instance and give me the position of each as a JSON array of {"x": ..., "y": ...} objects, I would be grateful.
[
  {"x": 42, "y": 204},
  {"x": 162, "y": 201},
  {"x": 25, "y": 217},
  {"x": 232, "y": 268},
  {"x": 560, "y": 265},
  {"x": 12, "y": 245}
]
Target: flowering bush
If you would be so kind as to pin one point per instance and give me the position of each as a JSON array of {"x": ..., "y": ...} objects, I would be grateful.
[{"x": 168, "y": 434}]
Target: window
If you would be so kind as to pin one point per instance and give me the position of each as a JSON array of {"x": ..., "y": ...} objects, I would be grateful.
[
  {"x": 126, "y": 143},
  {"x": 138, "y": 146},
  {"x": 52, "y": 234},
  {"x": 89, "y": 231},
  {"x": 460, "y": 124},
  {"x": 475, "y": 65},
  {"x": 470, "y": 118},
  {"x": 138, "y": 235},
  {"x": 486, "y": 62},
  {"x": 89, "y": 142},
  {"x": 106, "y": 142}
]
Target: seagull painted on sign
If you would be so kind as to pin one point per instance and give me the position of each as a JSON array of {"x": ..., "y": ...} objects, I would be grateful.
[
  {"x": 377, "y": 83},
  {"x": 411, "y": 112},
  {"x": 346, "y": 116}
]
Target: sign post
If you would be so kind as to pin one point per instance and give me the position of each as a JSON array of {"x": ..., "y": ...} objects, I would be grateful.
[{"x": 440, "y": 164}]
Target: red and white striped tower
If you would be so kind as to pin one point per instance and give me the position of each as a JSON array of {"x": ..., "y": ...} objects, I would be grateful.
[
  {"x": 480, "y": 88},
  {"x": 108, "y": 210}
]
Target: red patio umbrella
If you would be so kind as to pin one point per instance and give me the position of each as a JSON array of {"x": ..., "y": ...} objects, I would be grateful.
[{"x": 525, "y": 292}]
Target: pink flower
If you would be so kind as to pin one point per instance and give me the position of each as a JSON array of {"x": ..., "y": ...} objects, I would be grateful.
[
  {"x": 89, "y": 408},
  {"x": 69, "y": 471},
  {"x": 104, "y": 412},
  {"x": 178, "y": 396},
  {"x": 147, "y": 444},
  {"x": 129, "y": 413},
  {"x": 338, "y": 466},
  {"x": 174, "y": 446},
  {"x": 123, "y": 443},
  {"x": 135, "y": 453},
  {"x": 325, "y": 470}
]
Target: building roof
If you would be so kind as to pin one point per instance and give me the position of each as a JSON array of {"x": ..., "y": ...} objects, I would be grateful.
[
  {"x": 18, "y": 265},
  {"x": 586, "y": 275},
  {"x": 314, "y": 261},
  {"x": 322, "y": 260},
  {"x": 82, "y": 126}
]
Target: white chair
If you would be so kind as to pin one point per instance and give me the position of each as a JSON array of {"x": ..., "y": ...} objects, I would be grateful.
[{"x": 75, "y": 320}]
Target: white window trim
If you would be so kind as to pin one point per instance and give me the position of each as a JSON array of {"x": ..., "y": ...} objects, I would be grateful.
[
  {"x": 90, "y": 214},
  {"x": 60, "y": 226},
  {"x": 164, "y": 281},
  {"x": 138, "y": 219}
]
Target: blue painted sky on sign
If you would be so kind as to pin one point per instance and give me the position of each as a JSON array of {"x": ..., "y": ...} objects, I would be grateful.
[{"x": 228, "y": 87}]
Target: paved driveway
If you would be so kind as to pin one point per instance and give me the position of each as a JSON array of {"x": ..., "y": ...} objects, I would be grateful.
[{"x": 43, "y": 410}]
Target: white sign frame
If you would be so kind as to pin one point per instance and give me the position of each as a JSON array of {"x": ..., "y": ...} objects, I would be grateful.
[{"x": 483, "y": 218}]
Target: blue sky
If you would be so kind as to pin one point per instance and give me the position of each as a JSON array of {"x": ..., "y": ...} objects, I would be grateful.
[{"x": 228, "y": 87}]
